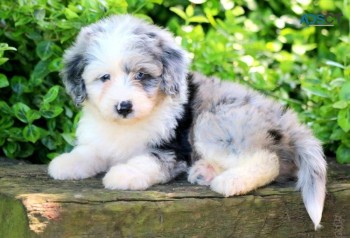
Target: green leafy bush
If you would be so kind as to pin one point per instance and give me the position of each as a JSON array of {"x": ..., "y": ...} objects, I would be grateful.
[
  {"x": 37, "y": 117},
  {"x": 259, "y": 43}
]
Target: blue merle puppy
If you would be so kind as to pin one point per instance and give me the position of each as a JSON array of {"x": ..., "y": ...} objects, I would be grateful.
[{"x": 146, "y": 119}]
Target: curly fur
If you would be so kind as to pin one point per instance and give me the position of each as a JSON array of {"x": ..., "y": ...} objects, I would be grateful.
[{"x": 233, "y": 138}]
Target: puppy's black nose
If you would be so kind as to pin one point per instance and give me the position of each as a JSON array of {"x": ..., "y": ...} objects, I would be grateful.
[{"x": 124, "y": 108}]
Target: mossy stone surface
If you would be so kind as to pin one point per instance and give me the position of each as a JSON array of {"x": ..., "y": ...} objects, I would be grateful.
[{"x": 34, "y": 205}]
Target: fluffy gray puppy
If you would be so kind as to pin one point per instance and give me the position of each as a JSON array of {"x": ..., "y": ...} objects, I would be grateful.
[{"x": 146, "y": 119}]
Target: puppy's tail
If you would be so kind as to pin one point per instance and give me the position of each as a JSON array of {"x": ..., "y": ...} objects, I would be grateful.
[{"x": 311, "y": 175}]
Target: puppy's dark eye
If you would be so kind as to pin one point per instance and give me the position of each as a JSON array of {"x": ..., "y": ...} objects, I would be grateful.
[
  {"x": 105, "y": 77},
  {"x": 140, "y": 75}
]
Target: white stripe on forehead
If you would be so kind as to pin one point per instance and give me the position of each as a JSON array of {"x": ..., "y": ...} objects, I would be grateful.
[{"x": 119, "y": 39}]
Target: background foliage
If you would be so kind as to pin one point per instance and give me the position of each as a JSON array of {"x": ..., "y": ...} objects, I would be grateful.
[{"x": 259, "y": 43}]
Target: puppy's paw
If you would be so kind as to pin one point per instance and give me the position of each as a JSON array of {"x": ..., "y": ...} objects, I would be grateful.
[
  {"x": 202, "y": 172},
  {"x": 126, "y": 177},
  {"x": 227, "y": 185},
  {"x": 68, "y": 167}
]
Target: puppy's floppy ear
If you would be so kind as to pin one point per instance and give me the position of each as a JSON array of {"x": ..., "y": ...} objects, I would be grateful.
[
  {"x": 74, "y": 63},
  {"x": 175, "y": 63},
  {"x": 71, "y": 74}
]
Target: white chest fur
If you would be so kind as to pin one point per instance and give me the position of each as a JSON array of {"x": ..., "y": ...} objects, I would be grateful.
[{"x": 119, "y": 141}]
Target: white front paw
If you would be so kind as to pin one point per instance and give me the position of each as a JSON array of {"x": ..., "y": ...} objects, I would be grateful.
[
  {"x": 126, "y": 177},
  {"x": 67, "y": 167}
]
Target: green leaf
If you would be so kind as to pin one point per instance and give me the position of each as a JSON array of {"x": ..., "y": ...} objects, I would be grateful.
[
  {"x": 302, "y": 49},
  {"x": 340, "y": 104},
  {"x": 189, "y": 10},
  {"x": 51, "y": 112},
  {"x": 198, "y": 1},
  {"x": 157, "y": 1},
  {"x": 316, "y": 91},
  {"x": 332, "y": 63},
  {"x": 343, "y": 154},
  {"x": 5, "y": 122},
  {"x": 4, "y": 108},
  {"x": 24, "y": 113},
  {"x": 49, "y": 142},
  {"x": 3, "y": 81},
  {"x": 69, "y": 138},
  {"x": 10, "y": 149},
  {"x": 68, "y": 112},
  {"x": 15, "y": 134},
  {"x": 51, "y": 95},
  {"x": 344, "y": 93},
  {"x": 56, "y": 65},
  {"x": 337, "y": 82},
  {"x": 198, "y": 19},
  {"x": 2, "y": 140},
  {"x": 32, "y": 133},
  {"x": 25, "y": 150},
  {"x": 33, "y": 115},
  {"x": 33, "y": 35},
  {"x": 70, "y": 14},
  {"x": 77, "y": 119},
  {"x": 5, "y": 46},
  {"x": 258, "y": 80},
  {"x": 39, "y": 72},
  {"x": 327, "y": 5},
  {"x": 179, "y": 12},
  {"x": 344, "y": 119},
  {"x": 22, "y": 21},
  {"x": 238, "y": 11},
  {"x": 274, "y": 46},
  {"x": 337, "y": 134},
  {"x": 20, "y": 110},
  {"x": 39, "y": 14},
  {"x": 52, "y": 155},
  {"x": 19, "y": 84},
  {"x": 3, "y": 60},
  {"x": 44, "y": 49},
  {"x": 51, "y": 124}
]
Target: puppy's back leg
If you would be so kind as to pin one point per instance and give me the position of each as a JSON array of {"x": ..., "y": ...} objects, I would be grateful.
[
  {"x": 236, "y": 175},
  {"x": 231, "y": 151},
  {"x": 251, "y": 171}
]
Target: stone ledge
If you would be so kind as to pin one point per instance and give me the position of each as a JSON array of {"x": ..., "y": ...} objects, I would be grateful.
[{"x": 33, "y": 205}]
